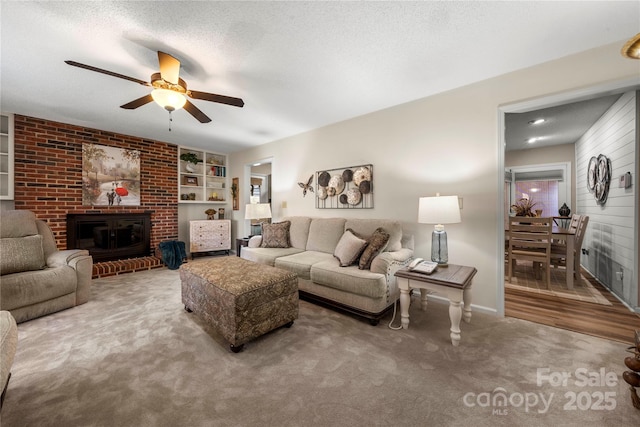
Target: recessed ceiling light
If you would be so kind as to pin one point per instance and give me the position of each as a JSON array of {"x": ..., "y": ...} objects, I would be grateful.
[{"x": 536, "y": 121}]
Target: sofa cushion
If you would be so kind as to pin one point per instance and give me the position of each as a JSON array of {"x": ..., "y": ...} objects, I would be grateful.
[
  {"x": 18, "y": 223},
  {"x": 366, "y": 227},
  {"x": 301, "y": 263},
  {"x": 349, "y": 279},
  {"x": 276, "y": 235},
  {"x": 266, "y": 255},
  {"x": 299, "y": 231},
  {"x": 19, "y": 254},
  {"x": 349, "y": 248},
  {"x": 376, "y": 244},
  {"x": 32, "y": 287},
  {"x": 324, "y": 234}
]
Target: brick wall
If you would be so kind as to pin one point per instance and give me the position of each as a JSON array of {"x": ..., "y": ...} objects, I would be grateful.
[{"x": 48, "y": 181}]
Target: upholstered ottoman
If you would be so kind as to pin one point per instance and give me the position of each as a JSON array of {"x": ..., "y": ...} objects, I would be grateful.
[{"x": 241, "y": 299}]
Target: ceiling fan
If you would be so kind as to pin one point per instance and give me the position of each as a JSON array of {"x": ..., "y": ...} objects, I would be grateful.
[{"x": 169, "y": 89}]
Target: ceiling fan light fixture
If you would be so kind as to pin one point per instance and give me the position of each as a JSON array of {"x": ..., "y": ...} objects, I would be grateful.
[
  {"x": 168, "y": 99},
  {"x": 631, "y": 49}
]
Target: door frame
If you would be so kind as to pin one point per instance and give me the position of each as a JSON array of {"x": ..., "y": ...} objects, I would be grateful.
[{"x": 538, "y": 103}]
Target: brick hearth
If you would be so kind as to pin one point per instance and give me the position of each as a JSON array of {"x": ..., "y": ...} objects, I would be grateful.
[{"x": 111, "y": 268}]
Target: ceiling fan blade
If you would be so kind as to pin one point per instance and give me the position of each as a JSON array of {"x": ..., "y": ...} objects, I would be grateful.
[
  {"x": 137, "y": 103},
  {"x": 169, "y": 67},
  {"x": 236, "y": 102},
  {"x": 195, "y": 112},
  {"x": 107, "y": 72}
]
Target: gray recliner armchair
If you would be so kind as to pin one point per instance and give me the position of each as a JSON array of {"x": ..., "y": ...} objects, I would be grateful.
[{"x": 36, "y": 278}]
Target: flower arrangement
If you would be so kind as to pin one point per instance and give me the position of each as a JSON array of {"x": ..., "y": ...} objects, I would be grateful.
[{"x": 524, "y": 207}]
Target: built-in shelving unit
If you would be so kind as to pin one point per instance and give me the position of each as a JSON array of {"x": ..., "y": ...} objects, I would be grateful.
[
  {"x": 6, "y": 156},
  {"x": 204, "y": 181}
]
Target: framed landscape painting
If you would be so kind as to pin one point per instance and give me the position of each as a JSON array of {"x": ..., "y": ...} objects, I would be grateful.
[{"x": 110, "y": 176}]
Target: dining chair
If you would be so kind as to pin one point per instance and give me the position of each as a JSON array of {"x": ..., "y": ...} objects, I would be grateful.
[
  {"x": 559, "y": 250},
  {"x": 572, "y": 226},
  {"x": 530, "y": 240}
]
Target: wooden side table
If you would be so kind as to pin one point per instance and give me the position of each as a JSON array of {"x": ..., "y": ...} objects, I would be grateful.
[
  {"x": 242, "y": 242},
  {"x": 454, "y": 282}
]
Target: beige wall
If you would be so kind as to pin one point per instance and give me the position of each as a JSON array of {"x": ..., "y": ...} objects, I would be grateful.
[
  {"x": 447, "y": 143},
  {"x": 540, "y": 156}
]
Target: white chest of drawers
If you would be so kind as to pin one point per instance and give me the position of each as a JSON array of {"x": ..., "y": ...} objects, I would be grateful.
[{"x": 209, "y": 235}]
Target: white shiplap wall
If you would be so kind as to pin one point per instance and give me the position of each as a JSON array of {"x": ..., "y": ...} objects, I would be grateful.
[{"x": 610, "y": 232}]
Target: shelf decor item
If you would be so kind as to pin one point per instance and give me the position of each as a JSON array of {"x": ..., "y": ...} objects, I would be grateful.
[
  {"x": 188, "y": 158},
  {"x": 564, "y": 210},
  {"x": 210, "y": 213},
  {"x": 190, "y": 180}
]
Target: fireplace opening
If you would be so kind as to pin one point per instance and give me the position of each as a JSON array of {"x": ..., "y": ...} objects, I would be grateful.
[{"x": 110, "y": 237}]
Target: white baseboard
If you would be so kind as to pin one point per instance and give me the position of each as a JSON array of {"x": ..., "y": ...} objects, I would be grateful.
[{"x": 474, "y": 307}]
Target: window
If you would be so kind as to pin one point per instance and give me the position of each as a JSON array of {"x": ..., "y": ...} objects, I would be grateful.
[
  {"x": 548, "y": 186},
  {"x": 543, "y": 193}
]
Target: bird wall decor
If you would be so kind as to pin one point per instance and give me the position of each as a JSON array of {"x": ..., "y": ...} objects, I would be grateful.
[{"x": 306, "y": 187}]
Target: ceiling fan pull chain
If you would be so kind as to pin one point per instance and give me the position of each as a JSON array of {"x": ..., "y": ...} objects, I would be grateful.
[{"x": 170, "y": 120}]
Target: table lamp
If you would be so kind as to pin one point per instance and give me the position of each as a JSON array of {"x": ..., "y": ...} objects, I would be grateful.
[
  {"x": 257, "y": 211},
  {"x": 439, "y": 210}
]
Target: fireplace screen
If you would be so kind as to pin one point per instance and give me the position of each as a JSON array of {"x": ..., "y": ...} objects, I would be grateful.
[{"x": 110, "y": 236}]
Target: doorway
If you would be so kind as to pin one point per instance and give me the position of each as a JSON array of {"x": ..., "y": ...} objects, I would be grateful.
[
  {"x": 506, "y": 304},
  {"x": 258, "y": 176}
]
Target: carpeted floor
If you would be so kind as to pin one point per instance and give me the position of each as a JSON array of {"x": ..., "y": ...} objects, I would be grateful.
[
  {"x": 132, "y": 356},
  {"x": 525, "y": 279}
]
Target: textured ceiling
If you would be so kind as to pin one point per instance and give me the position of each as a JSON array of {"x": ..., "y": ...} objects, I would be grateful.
[{"x": 297, "y": 65}]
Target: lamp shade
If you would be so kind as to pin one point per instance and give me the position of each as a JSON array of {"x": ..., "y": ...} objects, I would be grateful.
[
  {"x": 439, "y": 210},
  {"x": 170, "y": 100},
  {"x": 257, "y": 211}
]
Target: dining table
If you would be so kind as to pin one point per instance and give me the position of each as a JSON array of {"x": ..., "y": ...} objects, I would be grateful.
[{"x": 569, "y": 237}]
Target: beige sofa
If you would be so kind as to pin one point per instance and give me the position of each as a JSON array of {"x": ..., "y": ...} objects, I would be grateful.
[
  {"x": 365, "y": 292},
  {"x": 37, "y": 278}
]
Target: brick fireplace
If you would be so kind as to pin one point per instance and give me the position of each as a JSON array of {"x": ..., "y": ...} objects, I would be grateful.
[{"x": 48, "y": 181}]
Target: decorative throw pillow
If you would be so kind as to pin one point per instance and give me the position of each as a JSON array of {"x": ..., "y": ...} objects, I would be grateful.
[
  {"x": 276, "y": 235},
  {"x": 349, "y": 248},
  {"x": 21, "y": 254},
  {"x": 377, "y": 242}
]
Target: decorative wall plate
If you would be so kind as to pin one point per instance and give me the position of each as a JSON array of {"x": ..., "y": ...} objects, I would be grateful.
[
  {"x": 592, "y": 171},
  {"x": 599, "y": 178},
  {"x": 345, "y": 188}
]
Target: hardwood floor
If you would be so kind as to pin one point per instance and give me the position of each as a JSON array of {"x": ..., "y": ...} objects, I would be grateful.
[{"x": 615, "y": 322}]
